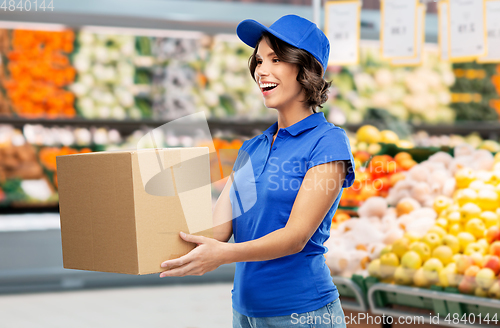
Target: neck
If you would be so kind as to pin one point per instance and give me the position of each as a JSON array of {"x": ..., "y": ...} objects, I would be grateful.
[{"x": 287, "y": 118}]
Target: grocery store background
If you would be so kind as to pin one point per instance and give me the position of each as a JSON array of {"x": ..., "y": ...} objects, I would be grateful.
[{"x": 87, "y": 76}]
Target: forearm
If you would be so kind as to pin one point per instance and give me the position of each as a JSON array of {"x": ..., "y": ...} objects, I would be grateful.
[{"x": 276, "y": 244}]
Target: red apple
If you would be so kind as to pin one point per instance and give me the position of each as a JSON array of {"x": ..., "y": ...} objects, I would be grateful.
[
  {"x": 472, "y": 271},
  {"x": 495, "y": 248},
  {"x": 493, "y": 234},
  {"x": 492, "y": 262},
  {"x": 467, "y": 285}
]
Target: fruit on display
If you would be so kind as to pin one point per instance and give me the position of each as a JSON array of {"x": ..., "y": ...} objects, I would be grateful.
[
  {"x": 105, "y": 82},
  {"x": 423, "y": 139},
  {"x": 37, "y": 72},
  {"x": 374, "y": 234},
  {"x": 417, "y": 95},
  {"x": 376, "y": 178},
  {"x": 462, "y": 248}
]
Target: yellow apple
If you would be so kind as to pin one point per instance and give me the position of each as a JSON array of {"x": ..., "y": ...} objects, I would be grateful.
[
  {"x": 403, "y": 276},
  {"x": 411, "y": 260},
  {"x": 374, "y": 268},
  {"x": 475, "y": 248},
  {"x": 487, "y": 199},
  {"x": 432, "y": 239},
  {"x": 452, "y": 242},
  {"x": 448, "y": 277},
  {"x": 489, "y": 218},
  {"x": 385, "y": 250},
  {"x": 443, "y": 253},
  {"x": 419, "y": 279},
  {"x": 455, "y": 229},
  {"x": 464, "y": 177},
  {"x": 469, "y": 211},
  {"x": 494, "y": 291},
  {"x": 476, "y": 228},
  {"x": 465, "y": 196},
  {"x": 388, "y": 264},
  {"x": 480, "y": 292},
  {"x": 441, "y": 203},
  {"x": 485, "y": 278},
  {"x": 432, "y": 267},
  {"x": 438, "y": 230},
  {"x": 401, "y": 246},
  {"x": 442, "y": 223},
  {"x": 454, "y": 217},
  {"x": 412, "y": 237},
  {"x": 465, "y": 238},
  {"x": 421, "y": 249}
]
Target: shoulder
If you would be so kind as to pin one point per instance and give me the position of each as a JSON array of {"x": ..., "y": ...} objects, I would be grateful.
[{"x": 329, "y": 132}]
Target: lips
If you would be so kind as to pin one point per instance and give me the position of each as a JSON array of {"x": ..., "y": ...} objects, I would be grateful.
[{"x": 267, "y": 87}]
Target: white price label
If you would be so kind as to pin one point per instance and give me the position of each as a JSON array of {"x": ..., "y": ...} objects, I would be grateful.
[
  {"x": 466, "y": 30},
  {"x": 493, "y": 32},
  {"x": 342, "y": 25},
  {"x": 398, "y": 32},
  {"x": 420, "y": 41},
  {"x": 443, "y": 30}
]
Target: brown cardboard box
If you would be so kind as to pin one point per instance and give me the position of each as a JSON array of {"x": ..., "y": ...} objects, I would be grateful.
[{"x": 121, "y": 211}]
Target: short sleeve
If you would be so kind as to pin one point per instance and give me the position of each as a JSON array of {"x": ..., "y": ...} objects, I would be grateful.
[{"x": 333, "y": 145}]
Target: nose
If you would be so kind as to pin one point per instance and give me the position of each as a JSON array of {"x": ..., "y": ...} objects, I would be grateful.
[{"x": 261, "y": 71}]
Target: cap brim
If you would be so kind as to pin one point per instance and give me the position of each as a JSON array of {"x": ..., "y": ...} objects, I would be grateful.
[{"x": 249, "y": 31}]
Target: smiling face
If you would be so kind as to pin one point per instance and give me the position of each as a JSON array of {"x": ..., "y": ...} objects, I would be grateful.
[{"x": 277, "y": 80}]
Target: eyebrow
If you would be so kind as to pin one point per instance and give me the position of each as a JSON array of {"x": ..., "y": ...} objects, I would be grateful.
[{"x": 272, "y": 53}]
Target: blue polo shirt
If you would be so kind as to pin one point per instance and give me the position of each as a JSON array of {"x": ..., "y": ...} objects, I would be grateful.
[{"x": 266, "y": 183}]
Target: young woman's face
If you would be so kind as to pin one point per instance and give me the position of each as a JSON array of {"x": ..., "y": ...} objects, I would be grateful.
[{"x": 277, "y": 80}]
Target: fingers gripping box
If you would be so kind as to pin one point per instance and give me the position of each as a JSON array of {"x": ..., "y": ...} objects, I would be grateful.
[{"x": 122, "y": 211}]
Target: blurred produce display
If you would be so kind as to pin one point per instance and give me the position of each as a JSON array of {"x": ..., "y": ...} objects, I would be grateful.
[
  {"x": 36, "y": 69},
  {"x": 416, "y": 95},
  {"x": 443, "y": 227},
  {"x": 22, "y": 179},
  {"x": 172, "y": 69},
  {"x": 105, "y": 81},
  {"x": 226, "y": 86},
  {"x": 476, "y": 91}
]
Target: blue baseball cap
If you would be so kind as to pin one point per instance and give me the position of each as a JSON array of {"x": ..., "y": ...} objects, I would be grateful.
[{"x": 292, "y": 29}]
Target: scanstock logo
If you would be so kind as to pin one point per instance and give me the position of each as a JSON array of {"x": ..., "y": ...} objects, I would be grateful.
[{"x": 188, "y": 172}]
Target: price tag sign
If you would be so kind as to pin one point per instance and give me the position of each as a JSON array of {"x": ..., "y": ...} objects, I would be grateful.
[
  {"x": 342, "y": 25},
  {"x": 443, "y": 30},
  {"x": 420, "y": 41},
  {"x": 493, "y": 32},
  {"x": 398, "y": 30},
  {"x": 467, "y": 37}
]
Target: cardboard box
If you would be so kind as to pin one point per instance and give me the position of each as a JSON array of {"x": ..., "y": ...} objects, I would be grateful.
[{"x": 121, "y": 211}]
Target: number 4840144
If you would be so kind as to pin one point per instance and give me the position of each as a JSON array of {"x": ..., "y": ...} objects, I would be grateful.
[
  {"x": 27, "y": 5},
  {"x": 470, "y": 318}
]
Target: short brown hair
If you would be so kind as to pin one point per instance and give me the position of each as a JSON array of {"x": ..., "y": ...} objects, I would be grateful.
[{"x": 310, "y": 74}]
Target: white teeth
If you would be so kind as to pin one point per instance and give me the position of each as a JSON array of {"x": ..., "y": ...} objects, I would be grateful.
[{"x": 267, "y": 85}]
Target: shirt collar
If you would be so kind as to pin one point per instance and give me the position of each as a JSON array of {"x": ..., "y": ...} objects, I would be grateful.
[{"x": 307, "y": 123}]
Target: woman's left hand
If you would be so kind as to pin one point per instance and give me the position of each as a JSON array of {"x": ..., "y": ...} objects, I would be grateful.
[{"x": 205, "y": 257}]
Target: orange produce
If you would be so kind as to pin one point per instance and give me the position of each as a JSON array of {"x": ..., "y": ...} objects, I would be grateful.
[{"x": 39, "y": 70}]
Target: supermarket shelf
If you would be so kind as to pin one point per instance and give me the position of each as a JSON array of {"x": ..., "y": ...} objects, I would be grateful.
[
  {"x": 32, "y": 261},
  {"x": 436, "y": 296},
  {"x": 355, "y": 300},
  {"x": 489, "y": 130}
]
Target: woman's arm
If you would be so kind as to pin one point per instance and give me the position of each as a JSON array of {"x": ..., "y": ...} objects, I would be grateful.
[
  {"x": 222, "y": 214},
  {"x": 319, "y": 189}
]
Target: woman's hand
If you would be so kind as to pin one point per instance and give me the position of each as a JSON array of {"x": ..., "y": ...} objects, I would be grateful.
[{"x": 205, "y": 257}]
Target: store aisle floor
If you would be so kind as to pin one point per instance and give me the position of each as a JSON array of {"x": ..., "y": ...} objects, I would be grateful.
[{"x": 178, "y": 306}]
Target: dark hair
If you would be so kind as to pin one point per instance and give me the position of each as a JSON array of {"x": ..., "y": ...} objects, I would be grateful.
[{"x": 310, "y": 74}]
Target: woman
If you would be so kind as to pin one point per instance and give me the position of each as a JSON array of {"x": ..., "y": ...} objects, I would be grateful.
[{"x": 284, "y": 190}]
